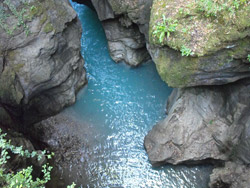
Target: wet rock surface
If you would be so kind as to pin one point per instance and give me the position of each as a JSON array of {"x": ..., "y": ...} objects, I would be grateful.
[
  {"x": 125, "y": 44},
  {"x": 42, "y": 70}
]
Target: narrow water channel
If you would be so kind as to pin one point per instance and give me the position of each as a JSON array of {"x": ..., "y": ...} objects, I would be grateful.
[{"x": 122, "y": 104}]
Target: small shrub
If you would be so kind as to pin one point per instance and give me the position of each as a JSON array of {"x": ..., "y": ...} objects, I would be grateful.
[
  {"x": 72, "y": 185},
  {"x": 248, "y": 57},
  {"x": 164, "y": 27},
  {"x": 22, "y": 178},
  {"x": 186, "y": 51}
]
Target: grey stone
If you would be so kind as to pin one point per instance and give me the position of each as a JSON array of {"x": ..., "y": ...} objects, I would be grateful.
[
  {"x": 233, "y": 175},
  {"x": 103, "y": 9},
  {"x": 203, "y": 123},
  {"x": 43, "y": 70},
  {"x": 125, "y": 43}
]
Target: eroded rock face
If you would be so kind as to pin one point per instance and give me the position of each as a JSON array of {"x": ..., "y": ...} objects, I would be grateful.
[
  {"x": 41, "y": 71},
  {"x": 203, "y": 123},
  {"x": 126, "y": 26},
  {"x": 125, "y": 44}
]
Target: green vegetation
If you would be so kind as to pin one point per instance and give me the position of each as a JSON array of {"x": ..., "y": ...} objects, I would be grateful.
[
  {"x": 186, "y": 51},
  {"x": 22, "y": 178},
  {"x": 48, "y": 28},
  {"x": 184, "y": 12},
  {"x": 212, "y": 8},
  {"x": 163, "y": 27},
  {"x": 248, "y": 57},
  {"x": 72, "y": 185},
  {"x": 203, "y": 25},
  {"x": 19, "y": 15}
]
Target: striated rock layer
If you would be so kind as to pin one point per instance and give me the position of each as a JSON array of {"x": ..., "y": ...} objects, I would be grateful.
[{"x": 40, "y": 63}]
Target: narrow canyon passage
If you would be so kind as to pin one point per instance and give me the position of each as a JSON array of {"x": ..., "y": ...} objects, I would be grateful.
[{"x": 122, "y": 104}]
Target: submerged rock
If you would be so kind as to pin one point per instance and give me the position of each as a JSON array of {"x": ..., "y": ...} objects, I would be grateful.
[
  {"x": 41, "y": 65},
  {"x": 203, "y": 123}
]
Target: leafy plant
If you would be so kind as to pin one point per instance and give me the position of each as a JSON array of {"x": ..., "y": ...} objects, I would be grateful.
[
  {"x": 248, "y": 57},
  {"x": 212, "y": 8},
  {"x": 72, "y": 185},
  {"x": 19, "y": 14},
  {"x": 164, "y": 27},
  {"x": 184, "y": 30},
  {"x": 183, "y": 11},
  {"x": 22, "y": 178},
  {"x": 186, "y": 51}
]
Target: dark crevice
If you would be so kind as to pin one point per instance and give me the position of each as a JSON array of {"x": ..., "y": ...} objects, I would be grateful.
[{"x": 4, "y": 63}]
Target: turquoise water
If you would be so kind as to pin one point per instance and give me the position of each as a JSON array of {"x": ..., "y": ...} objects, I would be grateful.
[{"x": 122, "y": 104}]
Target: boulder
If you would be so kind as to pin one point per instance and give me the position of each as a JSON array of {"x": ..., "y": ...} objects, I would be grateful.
[
  {"x": 215, "y": 38},
  {"x": 203, "y": 123},
  {"x": 125, "y": 44},
  {"x": 40, "y": 60}
]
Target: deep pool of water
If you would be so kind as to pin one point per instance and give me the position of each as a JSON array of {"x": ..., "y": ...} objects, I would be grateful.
[{"x": 122, "y": 104}]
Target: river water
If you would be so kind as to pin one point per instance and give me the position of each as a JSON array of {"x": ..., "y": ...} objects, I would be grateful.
[{"x": 122, "y": 104}]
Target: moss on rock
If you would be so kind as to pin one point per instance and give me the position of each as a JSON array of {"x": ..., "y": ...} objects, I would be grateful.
[
  {"x": 216, "y": 35},
  {"x": 48, "y": 27},
  {"x": 222, "y": 67},
  {"x": 196, "y": 30}
]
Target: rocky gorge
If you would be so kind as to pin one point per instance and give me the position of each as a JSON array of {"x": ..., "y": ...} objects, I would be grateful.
[
  {"x": 208, "y": 111},
  {"x": 205, "y": 123}
]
